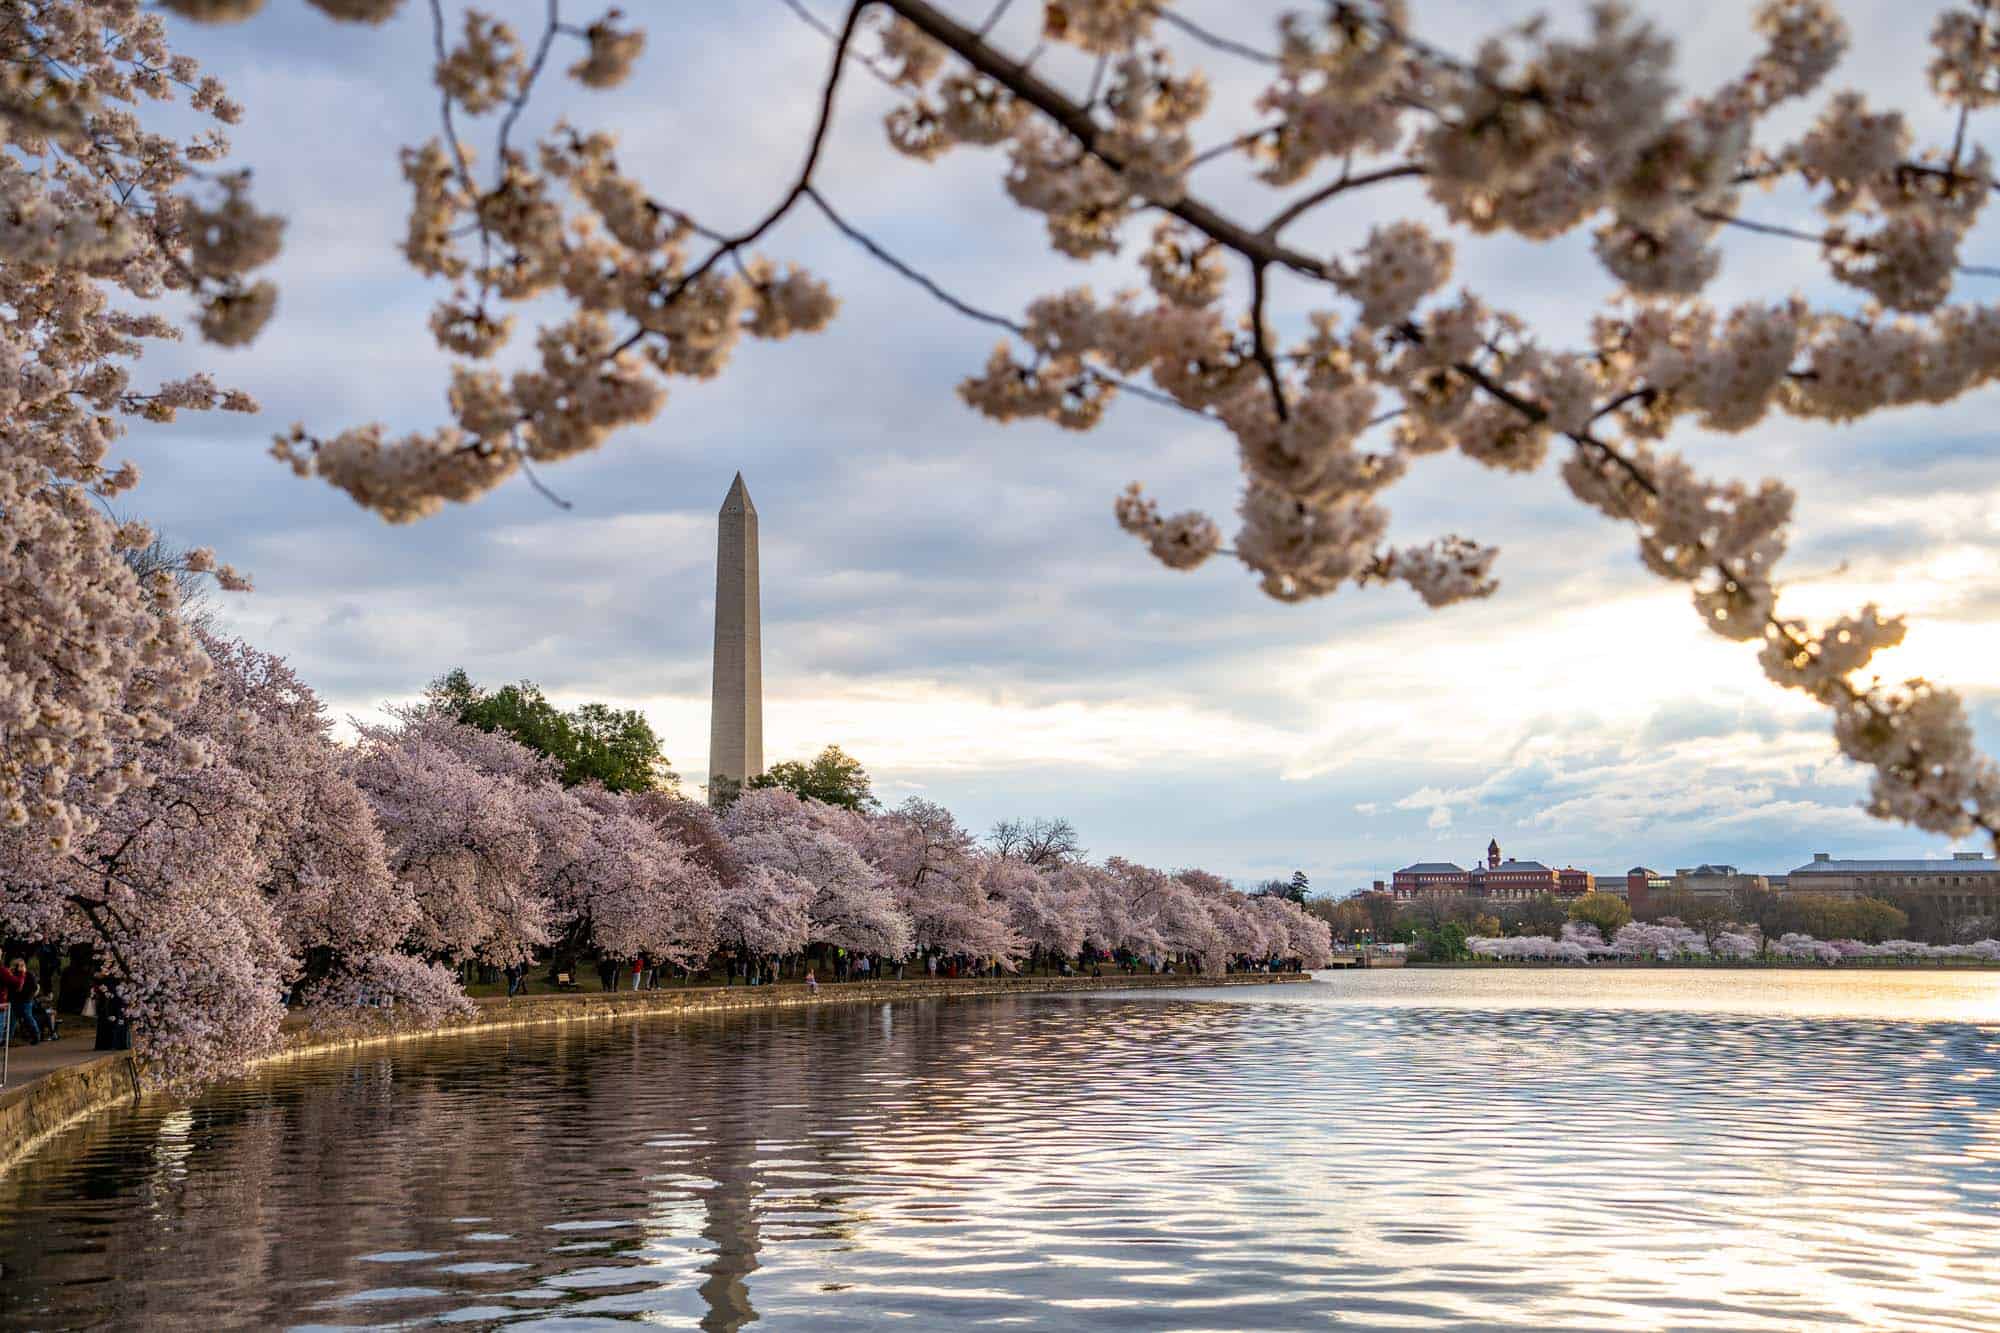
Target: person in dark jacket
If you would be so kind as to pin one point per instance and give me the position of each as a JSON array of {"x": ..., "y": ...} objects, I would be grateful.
[
  {"x": 114, "y": 1030},
  {"x": 27, "y": 996},
  {"x": 13, "y": 978}
]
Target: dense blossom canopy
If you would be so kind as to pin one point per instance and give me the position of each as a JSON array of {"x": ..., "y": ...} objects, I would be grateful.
[
  {"x": 148, "y": 796},
  {"x": 1538, "y": 131}
]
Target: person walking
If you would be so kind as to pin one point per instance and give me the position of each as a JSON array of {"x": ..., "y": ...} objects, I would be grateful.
[
  {"x": 638, "y": 971},
  {"x": 13, "y": 977},
  {"x": 517, "y": 979},
  {"x": 607, "y": 974},
  {"x": 812, "y": 983},
  {"x": 26, "y": 1000}
]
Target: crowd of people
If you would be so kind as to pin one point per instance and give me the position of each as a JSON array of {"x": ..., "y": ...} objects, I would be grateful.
[{"x": 255, "y": 868}]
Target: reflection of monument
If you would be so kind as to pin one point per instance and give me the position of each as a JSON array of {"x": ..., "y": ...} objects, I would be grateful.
[{"x": 736, "y": 703}]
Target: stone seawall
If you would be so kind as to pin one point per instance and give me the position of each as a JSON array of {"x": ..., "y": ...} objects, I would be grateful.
[{"x": 31, "y": 1115}]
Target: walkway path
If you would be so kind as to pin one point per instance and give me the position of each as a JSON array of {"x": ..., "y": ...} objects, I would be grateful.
[{"x": 26, "y": 1063}]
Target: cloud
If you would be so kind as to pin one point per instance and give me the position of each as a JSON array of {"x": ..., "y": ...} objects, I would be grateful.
[{"x": 948, "y": 598}]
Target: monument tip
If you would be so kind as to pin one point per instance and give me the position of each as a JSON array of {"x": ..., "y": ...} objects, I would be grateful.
[{"x": 738, "y": 499}]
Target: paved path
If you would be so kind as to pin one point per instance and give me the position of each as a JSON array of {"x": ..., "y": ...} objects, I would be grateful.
[{"x": 26, "y": 1063}]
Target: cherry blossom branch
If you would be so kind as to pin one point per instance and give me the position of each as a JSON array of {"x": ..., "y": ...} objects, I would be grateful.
[
  {"x": 868, "y": 243},
  {"x": 821, "y": 123},
  {"x": 1228, "y": 146},
  {"x": 1261, "y": 345},
  {"x": 819, "y": 25},
  {"x": 1343, "y": 185},
  {"x": 1019, "y": 330},
  {"x": 1077, "y": 123},
  {"x": 1858, "y": 244},
  {"x": 551, "y": 27}
]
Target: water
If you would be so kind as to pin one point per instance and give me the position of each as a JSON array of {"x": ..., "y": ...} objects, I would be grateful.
[{"x": 1587, "y": 1148}]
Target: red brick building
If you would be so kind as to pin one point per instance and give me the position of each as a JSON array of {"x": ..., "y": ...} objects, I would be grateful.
[{"x": 1502, "y": 880}]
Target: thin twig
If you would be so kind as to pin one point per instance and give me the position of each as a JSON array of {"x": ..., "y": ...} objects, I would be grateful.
[
  {"x": 867, "y": 62},
  {"x": 1241, "y": 141},
  {"x": 528, "y": 471},
  {"x": 867, "y": 243},
  {"x": 1857, "y": 243},
  {"x": 1207, "y": 38},
  {"x": 553, "y": 26},
  {"x": 821, "y": 125},
  {"x": 1302, "y": 206},
  {"x": 1260, "y": 343},
  {"x": 875, "y": 249},
  {"x": 999, "y": 12}
]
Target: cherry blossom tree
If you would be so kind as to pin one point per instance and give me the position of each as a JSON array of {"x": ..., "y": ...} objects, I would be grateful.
[
  {"x": 627, "y": 888},
  {"x": 853, "y": 905},
  {"x": 1043, "y": 910},
  {"x": 767, "y": 913},
  {"x": 938, "y": 874},
  {"x": 463, "y": 840},
  {"x": 324, "y": 866},
  {"x": 103, "y": 216},
  {"x": 239, "y": 866},
  {"x": 1539, "y": 133}
]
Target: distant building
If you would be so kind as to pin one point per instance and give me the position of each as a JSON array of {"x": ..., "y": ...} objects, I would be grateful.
[
  {"x": 1966, "y": 885},
  {"x": 1709, "y": 881},
  {"x": 1502, "y": 880},
  {"x": 1642, "y": 886}
]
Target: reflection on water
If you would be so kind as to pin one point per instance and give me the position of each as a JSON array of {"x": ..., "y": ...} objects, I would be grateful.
[{"x": 1584, "y": 1148}]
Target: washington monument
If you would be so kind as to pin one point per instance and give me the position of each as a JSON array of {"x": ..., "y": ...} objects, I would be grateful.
[{"x": 736, "y": 702}]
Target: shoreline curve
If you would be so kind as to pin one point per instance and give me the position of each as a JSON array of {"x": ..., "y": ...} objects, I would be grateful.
[{"x": 36, "y": 1112}]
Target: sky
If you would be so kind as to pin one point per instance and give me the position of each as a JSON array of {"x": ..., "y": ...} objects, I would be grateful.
[{"x": 948, "y": 599}]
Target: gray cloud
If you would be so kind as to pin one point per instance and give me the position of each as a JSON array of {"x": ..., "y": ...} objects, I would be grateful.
[{"x": 910, "y": 545}]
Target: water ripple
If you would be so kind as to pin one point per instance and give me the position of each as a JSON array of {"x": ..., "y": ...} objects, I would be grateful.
[{"x": 1528, "y": 1149}]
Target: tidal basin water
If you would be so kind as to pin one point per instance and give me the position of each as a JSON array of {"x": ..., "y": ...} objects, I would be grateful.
[{"x": 1586, "y": 1148}]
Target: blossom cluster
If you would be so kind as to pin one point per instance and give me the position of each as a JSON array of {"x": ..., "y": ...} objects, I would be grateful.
[
  {"x": 1540, "y": 133},
  {"x": 243, "y": 863},
  {"x": 102, "y": 216},
  {"x": 1667, "y": 939}
]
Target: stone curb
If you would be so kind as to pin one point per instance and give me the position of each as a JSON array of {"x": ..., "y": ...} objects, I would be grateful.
[{"x": 33, "y": 1114}]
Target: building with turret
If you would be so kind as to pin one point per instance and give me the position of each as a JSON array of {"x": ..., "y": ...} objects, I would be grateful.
[{"x": 1498, "y": 878}]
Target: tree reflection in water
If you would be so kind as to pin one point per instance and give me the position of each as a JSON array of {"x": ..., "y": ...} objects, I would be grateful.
[{"x": 1252, "y": 1162}]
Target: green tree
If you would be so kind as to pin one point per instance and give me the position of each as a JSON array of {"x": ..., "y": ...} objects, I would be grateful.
[
  {"x": 833, "y": 776},
  {"x": 614, "y": 747},
  {"x": 1872, "y": 920},
  {"x": 1443, "y": 943},
  {"x": 1540, "y": 915},
  {"x": 1301, "y": 887},
  {"x": 1605, "y": 911}
]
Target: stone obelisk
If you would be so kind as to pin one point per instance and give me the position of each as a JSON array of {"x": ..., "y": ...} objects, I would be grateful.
[{"x": 736, "y": 703}]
